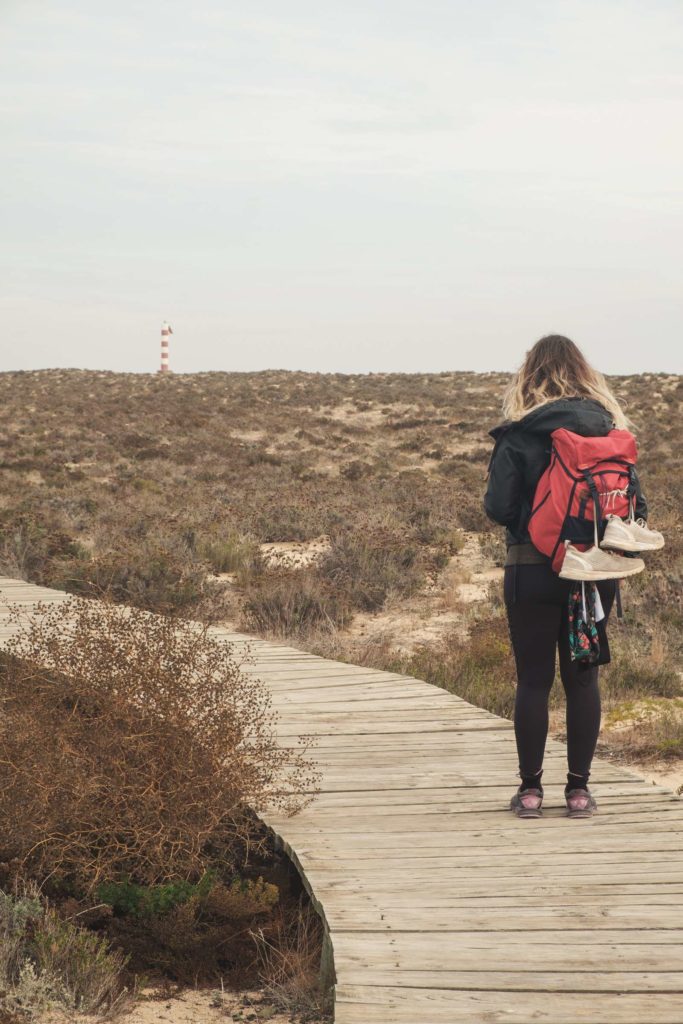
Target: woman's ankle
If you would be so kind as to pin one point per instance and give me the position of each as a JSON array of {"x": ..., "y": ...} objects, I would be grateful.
[
  {"x": 531, "y": 781},
  {"x": 576, "y": 781}
]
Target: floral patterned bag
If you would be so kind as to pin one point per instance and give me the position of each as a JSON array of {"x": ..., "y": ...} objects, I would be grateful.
[{"x": 585, "y": 610}]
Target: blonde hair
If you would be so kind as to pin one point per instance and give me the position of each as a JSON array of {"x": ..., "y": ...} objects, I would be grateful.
[{"x": 556, "y": 368}]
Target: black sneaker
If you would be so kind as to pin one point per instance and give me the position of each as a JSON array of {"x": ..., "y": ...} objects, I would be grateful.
[
  {"x": 580, "y": 803},
  {"x": 527, "y": 803}
]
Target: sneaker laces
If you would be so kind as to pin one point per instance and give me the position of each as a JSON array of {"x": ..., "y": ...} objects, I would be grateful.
[{"x": 608, "y": 498}]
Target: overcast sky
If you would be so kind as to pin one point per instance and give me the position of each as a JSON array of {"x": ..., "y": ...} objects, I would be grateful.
[{"x": 351, "y": 186}]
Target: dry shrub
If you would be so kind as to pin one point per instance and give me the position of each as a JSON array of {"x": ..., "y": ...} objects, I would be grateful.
[
  {"x": 358, "y": 570},
  {"x": 634, "y": 673},
  {"x": 157, "y": 573},
  {"x": 492, "y": 546},
  {"x": 47, "y": 962},
  {"x": 292, "y": 602},
  {"x": 367, "y": 564},
  {"x": 290, "y": 962},
  {"x": 132, "y": 745},
  {"x": 375, "y": 651},
  {"x": 655, "y": 734},
  {"x": 231, "y": 553},
  {"x": 635, "y": 679},
  {"x": 36, "y": 544}
]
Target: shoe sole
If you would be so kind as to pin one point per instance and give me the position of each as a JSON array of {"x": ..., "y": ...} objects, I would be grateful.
[
  {"x": 606, "y": 546},
  {"x": 595, "y": 575},
  {"x": 580, "y": 814},
  {"x": 527, "y": 812}
]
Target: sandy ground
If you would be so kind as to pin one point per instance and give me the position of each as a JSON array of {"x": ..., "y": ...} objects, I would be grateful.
[
  {"x": 294, "y": 554},
  {"x": 205, "y": 1006},
  {"x": 663, "y": 773},
  {"x": 196, "y": 1006}
]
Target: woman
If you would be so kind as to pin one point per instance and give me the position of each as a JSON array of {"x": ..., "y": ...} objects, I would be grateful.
[{"x": 555, "y": 387}]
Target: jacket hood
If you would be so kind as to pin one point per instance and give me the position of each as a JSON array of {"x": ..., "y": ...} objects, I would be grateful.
[{"x": 583, "y": 416}]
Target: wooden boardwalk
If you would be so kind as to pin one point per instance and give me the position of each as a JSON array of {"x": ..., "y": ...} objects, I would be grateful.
[{"x": 441, "y": 907}]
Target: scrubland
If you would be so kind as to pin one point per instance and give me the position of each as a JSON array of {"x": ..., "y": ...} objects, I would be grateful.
[{"x": 342, "y": 512}]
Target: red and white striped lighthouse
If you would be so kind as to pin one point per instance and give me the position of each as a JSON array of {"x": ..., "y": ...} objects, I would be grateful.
[{"x": 165, "y": 331}]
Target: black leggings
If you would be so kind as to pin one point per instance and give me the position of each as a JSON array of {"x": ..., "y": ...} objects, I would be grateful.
[{"x": 536, "y": 604}]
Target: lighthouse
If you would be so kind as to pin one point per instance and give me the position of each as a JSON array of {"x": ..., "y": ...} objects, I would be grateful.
[{"x": 165, "y": 331}]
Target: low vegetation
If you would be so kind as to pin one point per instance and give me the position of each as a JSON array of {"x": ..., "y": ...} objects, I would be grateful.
[
  {"x": 164, "y": 492},
  {"x": 134, "y": 751},
  {"x": 47, "y": 962}
]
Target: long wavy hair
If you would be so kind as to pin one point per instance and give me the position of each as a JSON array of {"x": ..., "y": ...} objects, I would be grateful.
[{"x": 556, "y": 368}]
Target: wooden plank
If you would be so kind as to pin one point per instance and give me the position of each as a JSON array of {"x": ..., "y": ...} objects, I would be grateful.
[
  {"x": 471, "y": 951},
  {"x": 542, "y": 980},
  {"x": 339, "y": 791},
  {"x": 480, "y": 822},
  {"x": 476, "y": 794},
  {"x": 363, "y": 916},
  {"x": 359, "y": 1004}
]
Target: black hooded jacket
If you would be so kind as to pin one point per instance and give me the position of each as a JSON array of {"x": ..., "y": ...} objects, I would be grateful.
[{"x": 522, "y": 453}]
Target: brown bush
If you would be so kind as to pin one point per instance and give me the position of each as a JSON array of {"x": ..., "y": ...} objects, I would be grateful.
[
  {"x": 131, "y": 745},
  {"x": 290, "y": 949},
  {"x": 159, "y": 573},
  {"x": 292, "y": 602},
  {"x": 366, "y": 565}
]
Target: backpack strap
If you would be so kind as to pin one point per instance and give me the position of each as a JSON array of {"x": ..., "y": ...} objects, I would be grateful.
[
  {"x": 597, "y": 513},
  {"x": 631, "y": 492}
]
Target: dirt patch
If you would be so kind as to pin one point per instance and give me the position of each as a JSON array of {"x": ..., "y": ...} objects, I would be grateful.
[
  {"x": 205, "y": 1006},
  {"x": 248, "y": 435},
  {"x": 196, "y": 1006},
  {"x": 295, "y": 554},
  {"x": 32, "y": 476},
  {"x": 663, "y": 773},
  {"x": 346, "y": 412},
  {"x": 469, "y": 573}
]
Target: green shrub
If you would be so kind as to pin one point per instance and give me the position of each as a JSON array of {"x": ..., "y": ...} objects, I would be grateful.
[
  {"x": 202, "y": 936},
  {"x": 231, "y": 553},
  {"x": 128, "y": 897}
]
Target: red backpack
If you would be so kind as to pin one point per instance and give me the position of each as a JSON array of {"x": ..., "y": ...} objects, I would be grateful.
[{"x": 588, "y": 478}]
